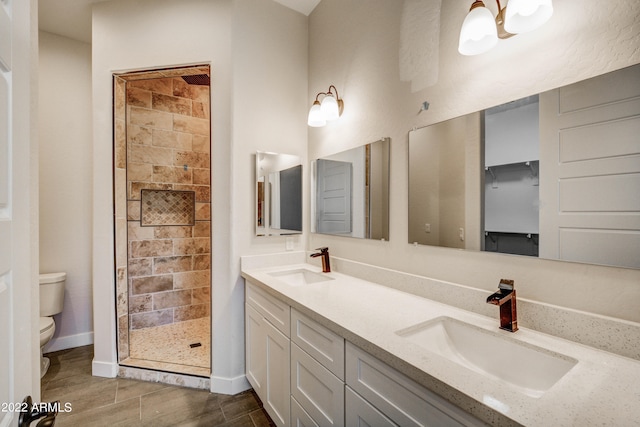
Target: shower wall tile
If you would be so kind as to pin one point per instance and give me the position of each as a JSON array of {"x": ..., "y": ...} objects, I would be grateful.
[
  {"x": 133, "y": 210},
  {"x": 201, "y": 176},
  {"x": 171, "y": 139},
  {"x": 192, "y": 246},
  {"x": 171, "y": 104},
  {"x": 138, "y": 97},
  {"x": 151, "y": 248},
  {"x": 140, "y": 267},
  {"x": 136, "y": 232},
  {"x": 170, "y": 299},
  {"x": 171, "y": 232},
  {"x": 139, "y": 135},
  {"x": 172, "y": 264},
  {"x": 172, "y": 174},
  {"x": 192, "y": 159},
  {"x": 202, "y": 295},
  {"x": 150, "y": 284},
  {"x": 123, "y": 337},
  {"x": 140, "y": 303},
  {"x": 191, "y": 125},
  {"x": 119, "y": 98},
  {"x": 121, "y": 242},
  {"x": 167, "y": 148},
  {"x": 151, "y": 318},
  {"x": 203, "y": 212},
  {"x": 121, "y": 196},
  {"x": 201, "y": 144},
  {"x": 155, "y": 119},
  {"x": 192, "y": 279},
  {"x": 191, "y": 312},
  {"x": 153, "y": 85},
  {"x": 201, "y": 262},
  {"x": 120, "y": 144},
  {"x": 150, "y": 154},
  {"x": 202, "y": 229}
]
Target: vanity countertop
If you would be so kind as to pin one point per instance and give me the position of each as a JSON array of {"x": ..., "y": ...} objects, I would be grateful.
[{"x": 601, "y": 389}]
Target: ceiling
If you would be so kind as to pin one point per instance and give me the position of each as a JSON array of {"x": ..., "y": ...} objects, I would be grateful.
[{"x": 72, "y": 18}]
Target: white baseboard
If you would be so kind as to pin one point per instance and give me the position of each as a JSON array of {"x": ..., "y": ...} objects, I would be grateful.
[
  {"x": 104, "y": 369},
  {"x": 229, "y": 385},
  {"x": 70, "y": 341}
]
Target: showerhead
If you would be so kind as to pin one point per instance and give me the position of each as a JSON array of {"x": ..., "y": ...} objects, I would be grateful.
[{"x": 197, "y": 79}]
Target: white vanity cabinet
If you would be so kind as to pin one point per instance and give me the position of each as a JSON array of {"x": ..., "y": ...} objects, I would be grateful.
[
  {"x": 394, "y": 399},
  {"x": 317, "y": 373},
  {"x": 267, "y": 348}
]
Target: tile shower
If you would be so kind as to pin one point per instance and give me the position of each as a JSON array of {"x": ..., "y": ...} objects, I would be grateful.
[{"x": 162, "y": 194}]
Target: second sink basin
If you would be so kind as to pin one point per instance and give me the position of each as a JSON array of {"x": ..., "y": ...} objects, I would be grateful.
[
  {"x": 300, "y": 276},
  {"x": 532, "y": 370}
]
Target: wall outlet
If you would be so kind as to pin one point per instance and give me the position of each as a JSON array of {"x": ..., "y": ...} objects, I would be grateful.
[{"x": 427, "y": 228}]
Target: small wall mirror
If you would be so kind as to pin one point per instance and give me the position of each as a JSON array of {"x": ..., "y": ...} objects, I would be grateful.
[
  {"x": 278, "y": 194},
  {"x": 350, "y": 192},
  {"x": 554, "y": 175}
]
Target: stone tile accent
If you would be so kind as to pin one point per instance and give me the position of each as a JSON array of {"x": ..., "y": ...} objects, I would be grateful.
[
  {"x": 151, "y": 248},
  {"x": 201, "y": 143},
  {"x": 150, "y": 284},
  {"x": 202, "y": 229},
  {"x": 203, "y": 212},
  {"x": 171, "y": 232},
  {"x": 140, "y": 172},
  {"x": 201, "y": 176},
  {"x": 171, "y": 104},
  {"x": 140, "y": 267},
  {"x": 192, "y": 279},
  {"x": 170, "y": 139},
  {"x": 192, "y": 159},
  {"x": 152, "y": 85},
  {"x": 140, "y": 303},
  {"x": 150, "y": 154},
  {"x": 120, "y": 150},
  {"x": 172, "y": 174},
  {"x": 200, "y": 110},
  {"x": 151, "y": 318},
  {"x": 201, "y": 262},
  {"x": 136, "y": 232},
  {"x": 136, "y": 187},
  {"x": 162, "y": 265},
  {"x": 171, "y": 299},
  {"x": 133, "y": 210},
  {"x": 191, "y": 312},
  {"x": 192, "y": 246},
  {"x": 202, "y": 295},
  {"x": 189, "y": 124},
  {"x": 138, "y": 97},
  {"x": 139, "y": 135},
  {"x": 155, "y": 119}
]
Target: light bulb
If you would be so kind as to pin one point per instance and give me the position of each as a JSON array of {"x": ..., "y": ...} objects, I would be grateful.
[{"x": 316, "y": 118}]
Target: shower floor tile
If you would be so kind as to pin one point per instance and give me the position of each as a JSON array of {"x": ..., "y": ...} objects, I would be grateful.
[{"x": 168, "y": 347}]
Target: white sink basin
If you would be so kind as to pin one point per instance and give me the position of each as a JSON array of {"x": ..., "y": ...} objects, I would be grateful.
[
  {"x": 532, "y": 370},
  {"x": 300, "y": 276}
]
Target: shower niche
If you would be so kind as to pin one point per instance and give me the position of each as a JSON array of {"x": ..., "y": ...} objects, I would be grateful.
[{"x": 162, "y": 193}]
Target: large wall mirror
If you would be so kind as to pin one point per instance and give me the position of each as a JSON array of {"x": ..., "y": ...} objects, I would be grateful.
[
  {"x": 278, "y": 194},
  {"x": 555, "y": 175},
  {"x": 350, "y": 192}
]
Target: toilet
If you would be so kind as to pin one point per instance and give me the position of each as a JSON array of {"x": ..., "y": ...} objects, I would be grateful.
[{"x": 51, "y": 303}]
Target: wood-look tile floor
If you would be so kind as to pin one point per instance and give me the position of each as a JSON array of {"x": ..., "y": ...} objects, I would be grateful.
[{"x": 99, "y": 401}]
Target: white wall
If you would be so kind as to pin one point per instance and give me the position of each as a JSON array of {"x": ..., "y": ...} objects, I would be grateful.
[
  {"x": 257, "y": 51},
  {"x": 64, "y": 115},
  {"x": 355, "y": 46}
]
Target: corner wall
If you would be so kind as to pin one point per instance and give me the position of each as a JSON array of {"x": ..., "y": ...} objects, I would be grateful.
[
  {"x": 64, "y": 115},
  {"x": 359, "y": 46}
]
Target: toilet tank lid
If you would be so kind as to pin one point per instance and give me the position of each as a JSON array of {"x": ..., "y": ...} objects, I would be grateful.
[{"x": 52, "y": 277}]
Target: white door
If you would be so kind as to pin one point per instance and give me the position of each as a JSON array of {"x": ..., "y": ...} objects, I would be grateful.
[
  {"x": 333, "y": 204},
  {"x": 589, "y": 166},
  {"x": 18, "y": 334}
]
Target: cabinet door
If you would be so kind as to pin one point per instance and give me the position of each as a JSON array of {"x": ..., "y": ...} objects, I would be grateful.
[
  {"x": 276, "y": 398},
  {"x": 255, "y": 349},
  {"x": 319, "y": 392},
  {"x": 360, "y": 413},
  {"x": 299, "y": 417},
  {"x": 319, "y": 342}
]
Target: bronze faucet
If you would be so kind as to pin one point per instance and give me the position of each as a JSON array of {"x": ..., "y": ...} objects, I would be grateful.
[
  {"x": 505, "y": 298},
  {"x": 324, "y": 253}
]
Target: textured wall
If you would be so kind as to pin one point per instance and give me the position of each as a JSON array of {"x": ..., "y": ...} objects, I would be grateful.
[{"x": 355, "y": 45}]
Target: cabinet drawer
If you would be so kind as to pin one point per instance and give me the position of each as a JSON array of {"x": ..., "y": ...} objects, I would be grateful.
[
  {"x": 272, "y": 309},
  {"x": 359, "y": 412},
  {"x": 321, "y": 343},
  {"x": 319, "y": 392},
  {"x": 398, "y": 397},
  {"x": 299, "y": 417}
]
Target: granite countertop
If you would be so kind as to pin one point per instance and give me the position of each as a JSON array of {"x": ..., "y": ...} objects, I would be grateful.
[{"x": 601, "y": 389}]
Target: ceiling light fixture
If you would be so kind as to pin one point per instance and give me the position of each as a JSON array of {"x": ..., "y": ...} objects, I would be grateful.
[
  {"x": 329, "y": 109},
  {"x": 480, "y": 31}
]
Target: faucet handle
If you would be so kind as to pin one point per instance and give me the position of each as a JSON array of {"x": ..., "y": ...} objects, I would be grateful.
[
  {"x": 506, "y": 284},
  {"x": 323, "y": 249}
]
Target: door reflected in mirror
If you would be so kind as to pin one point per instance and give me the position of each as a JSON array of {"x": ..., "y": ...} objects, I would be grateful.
[
  {"x": 278, "y": 194},
  {"x": 555, "y": 175},
  {"x": 350, "y": 192}
]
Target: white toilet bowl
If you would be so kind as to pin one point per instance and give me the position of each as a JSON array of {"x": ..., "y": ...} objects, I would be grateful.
[{"x": 51, "y": 303}]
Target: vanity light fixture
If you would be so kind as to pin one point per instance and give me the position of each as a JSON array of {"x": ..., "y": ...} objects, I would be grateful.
[
  {"x": 329, "y": 109},
  {"x": 480, "y": 31}
]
